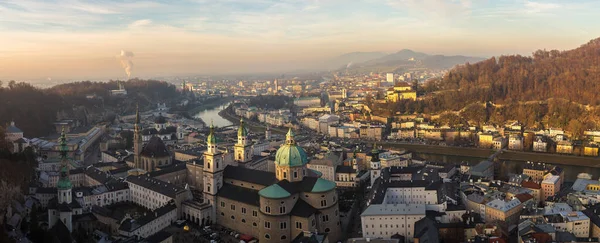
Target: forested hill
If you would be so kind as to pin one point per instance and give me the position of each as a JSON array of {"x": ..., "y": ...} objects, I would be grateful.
[
  {"x": 35, "y": 110},
  {"x": 573, "y": 75}
]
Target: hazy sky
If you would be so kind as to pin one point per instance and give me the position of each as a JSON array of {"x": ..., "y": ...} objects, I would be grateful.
[{"x": 80, "y": 39}]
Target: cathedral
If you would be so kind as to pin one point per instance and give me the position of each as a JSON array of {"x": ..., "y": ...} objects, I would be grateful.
[
  {"x": 272, "y": 207},
  {"x": 238, "y": 193}
]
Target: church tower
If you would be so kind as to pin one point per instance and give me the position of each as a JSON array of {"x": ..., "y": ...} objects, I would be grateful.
[
  {"x": 268, "y": 133},
  {"x": 243, "y": 148},
  {"x": 137, "y": 139},
  {"x": 375, "y": 164},
  {"x": 64, "y": 186},
  {"x": 354, "y": 161},
  {"x": 213, "y": 171}
]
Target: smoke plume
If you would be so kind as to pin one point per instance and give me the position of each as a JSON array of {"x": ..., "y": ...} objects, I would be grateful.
[{"x": 125, "y": 59}]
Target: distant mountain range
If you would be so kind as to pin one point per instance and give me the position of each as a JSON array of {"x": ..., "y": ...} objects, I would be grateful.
[{"x": 402, "y": 59}]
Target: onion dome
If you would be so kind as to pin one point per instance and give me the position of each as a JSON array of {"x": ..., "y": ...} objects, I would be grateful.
[
  {"x": 242, "y": 131},
  {"x": 211, "y": 138}
]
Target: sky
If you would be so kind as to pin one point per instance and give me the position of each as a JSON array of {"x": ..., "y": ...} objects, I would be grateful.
[{"x": 76, "y": 39}]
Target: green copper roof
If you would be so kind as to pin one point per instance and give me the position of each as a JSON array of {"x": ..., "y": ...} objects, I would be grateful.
[
  {"x": 242, "y": 132},
  {"x": 211, "y": 138},
  {"x": 64, "y": 182},
  {"x": 291, "y": 155},
  {"x": 274, "y": 192},
  {"x": 375, "y": 150},
  {"x": 323, "y": 185}
]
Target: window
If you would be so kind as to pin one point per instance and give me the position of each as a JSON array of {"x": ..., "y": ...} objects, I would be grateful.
[
  {"x": 283, "y": 237},
  {"x": 268, "y": 209},
  {"x": 232, "y": 217},
  {"x": 285, "y": 174},
  {"x": 254, "y": 224},
  {"x": 232, "y": 207},
  {"x": 222, "y": 204},
  {"x": 244, "y": 210},
  {"x": 254, "y": 213},
  {"x": 295, "y": 174},
  {"x": 323, "y": 203},
  {"x": 267, "y": 224},
  {"x": 283, "y": 225},
  {"x": 243, "y": 220},
  {"x": 282, "y": 210},
  {"x": 222, "y": 214},
  {"x": 298, "y": 225},
  {"x": 326, "y": 218},
  {"x": 267, "y": 236},
  {"x": 327, "y": 230},
  {"x": 208, "y": 165}
]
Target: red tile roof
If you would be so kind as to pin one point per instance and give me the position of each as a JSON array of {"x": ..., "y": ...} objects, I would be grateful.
[{"x": 531, "y": 185}]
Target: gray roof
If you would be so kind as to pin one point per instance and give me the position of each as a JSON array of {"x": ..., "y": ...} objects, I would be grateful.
[
  {"x": 156, "y": 185},
  {"x": 155, "y": 148},
  {"x": 133, "y": 224},
  {"x": 240, "y": 194},
  {"x": 248, "y": 175}
]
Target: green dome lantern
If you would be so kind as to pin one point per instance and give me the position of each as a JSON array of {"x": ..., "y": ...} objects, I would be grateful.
[{"x": 290, "y": 154}]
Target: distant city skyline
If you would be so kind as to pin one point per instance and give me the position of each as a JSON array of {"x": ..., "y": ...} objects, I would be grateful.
[{"x": 72, "y": 39}]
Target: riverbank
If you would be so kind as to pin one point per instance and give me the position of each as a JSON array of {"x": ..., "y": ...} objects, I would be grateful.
[
  {"x": 505, "y": 155},
  {"x": 252, "y": 126},
  {"x": 211, "y": 104}
]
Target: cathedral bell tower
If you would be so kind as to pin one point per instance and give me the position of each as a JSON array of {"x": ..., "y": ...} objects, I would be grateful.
[
  {"x": 243, "y": 148},
  {"x": 213, "y": 171}
]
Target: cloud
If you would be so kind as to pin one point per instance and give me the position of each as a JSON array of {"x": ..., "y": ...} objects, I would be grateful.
[
  {"x": 433, "y": 8},
  {"x": 140, "y": 23},
  {"x": 537, "y": 7}
]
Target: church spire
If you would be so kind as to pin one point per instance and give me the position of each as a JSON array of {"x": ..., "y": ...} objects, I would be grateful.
[
  {"x": 137, "y": 115},
  {"x": 64, "y": 182}
]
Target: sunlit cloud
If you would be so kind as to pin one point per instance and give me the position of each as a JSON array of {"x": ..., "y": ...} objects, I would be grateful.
[
  {"x": 219, "y": 36},
  {"x": 538, "y": 7}
]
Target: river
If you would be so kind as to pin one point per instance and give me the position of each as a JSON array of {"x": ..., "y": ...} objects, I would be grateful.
[
  {"x": 510, "y": 166},
  {"x": 212, "y": 115}
]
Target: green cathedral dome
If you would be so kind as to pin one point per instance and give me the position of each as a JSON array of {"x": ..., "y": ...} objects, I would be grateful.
[{"x": 290, "y": 154}]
